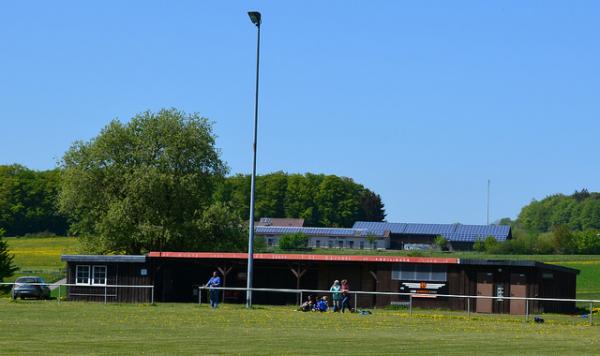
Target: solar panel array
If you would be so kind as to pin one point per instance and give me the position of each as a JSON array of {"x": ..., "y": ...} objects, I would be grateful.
[
  {"x": 452, "y": 232},
  {"x": 315, "y": 231}
]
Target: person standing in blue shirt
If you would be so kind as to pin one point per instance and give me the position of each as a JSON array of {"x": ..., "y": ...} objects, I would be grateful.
[{"x": 214, "y": 281}]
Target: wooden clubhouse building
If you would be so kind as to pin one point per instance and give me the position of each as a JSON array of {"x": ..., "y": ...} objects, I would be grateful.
[{"x": 177, "y": 275}]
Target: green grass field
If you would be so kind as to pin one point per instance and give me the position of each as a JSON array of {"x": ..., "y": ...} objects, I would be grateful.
[
  {"x": 49, "y": 327},
  {"x": 38, "y": 327},
  {"x": 40, "y": 256}
]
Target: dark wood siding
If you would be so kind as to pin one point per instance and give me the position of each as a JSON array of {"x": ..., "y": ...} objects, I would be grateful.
[
  {"x": 177, "y": 280},
  {"x": 116, "y": 274}
]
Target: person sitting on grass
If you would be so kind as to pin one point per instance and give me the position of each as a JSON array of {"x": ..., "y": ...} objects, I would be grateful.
[
  {"x": 308, "y": 305},
  {"x": 322, "y": 305}
]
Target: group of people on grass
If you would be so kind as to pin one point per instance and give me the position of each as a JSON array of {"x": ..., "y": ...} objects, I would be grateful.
[{"x": 340, "y": 298}]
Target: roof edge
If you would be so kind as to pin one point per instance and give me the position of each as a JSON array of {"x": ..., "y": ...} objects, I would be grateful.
[
  {"x": 304, "y": 257},
  {"x": 519, "y": 263},
  {"x": 104, "y": 258}
]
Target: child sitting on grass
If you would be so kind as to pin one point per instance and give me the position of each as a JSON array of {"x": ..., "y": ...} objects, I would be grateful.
[
  {"x": 322, "y": 305},
  {"x": 308, "y": 305}
]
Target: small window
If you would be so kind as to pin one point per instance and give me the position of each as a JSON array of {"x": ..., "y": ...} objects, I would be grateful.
[
  {"x": 99, "y": 275},
  {"x": 350, "y": 244},
  {"x": 318, "y": 243},
  {"x": 270, "y": 242},
  {"x": 82, "y": 275},
  {"x": 362, "y": 245},
  {"x": 341, "y": 244},
  {"x": 330, "y": 243}
]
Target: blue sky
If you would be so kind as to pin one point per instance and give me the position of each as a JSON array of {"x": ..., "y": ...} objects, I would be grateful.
[{"x": 422, "y": 102}]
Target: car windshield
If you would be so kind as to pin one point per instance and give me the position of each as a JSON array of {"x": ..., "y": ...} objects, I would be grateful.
[{"x": 28, "y": 280}]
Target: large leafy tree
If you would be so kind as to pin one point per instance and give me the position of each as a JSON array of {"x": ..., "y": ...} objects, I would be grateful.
[
  {"x": 7, "y": 268},
  {"x": 142, "y": 185}
]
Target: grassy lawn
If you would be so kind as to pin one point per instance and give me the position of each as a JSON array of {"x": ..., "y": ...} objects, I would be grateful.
[
  {"x": 36, "y": 327},
  {"x": 40, "y": 256}
]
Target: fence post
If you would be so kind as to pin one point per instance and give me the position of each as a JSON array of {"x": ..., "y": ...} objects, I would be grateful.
[
  {"x": 301, "y": 297},
  {"x": 152, "y": 296},
  {"x": 526, "y": 310},
  {"x": 591, "y": 313},
  {"x": 468, "y": 307},
  {"x": 410, "y": 305},
  {"x": 105, "y": 295},
  {"x": 355, "y": 301},
  {"x": 59, "y": 286},
  {"x": 199, "y": 295}
]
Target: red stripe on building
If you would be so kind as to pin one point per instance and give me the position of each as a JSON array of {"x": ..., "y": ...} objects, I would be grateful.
[{"x": 303, "y": 257}]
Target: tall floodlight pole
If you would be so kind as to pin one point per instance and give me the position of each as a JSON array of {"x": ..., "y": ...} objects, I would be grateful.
[{"x": 255, "y": 17}]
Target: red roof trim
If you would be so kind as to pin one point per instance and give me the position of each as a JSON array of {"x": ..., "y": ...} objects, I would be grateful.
[{"x": 303, "y": 257}]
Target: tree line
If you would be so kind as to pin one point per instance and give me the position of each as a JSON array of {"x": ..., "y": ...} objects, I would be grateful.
[
  {"x": 319, "y": 199},
  {"x": 578, "y": 211},
  {"x": 557, "y": 224},
  {"x": 28, "y": 201},
  {"x": 158, "y": 182}
]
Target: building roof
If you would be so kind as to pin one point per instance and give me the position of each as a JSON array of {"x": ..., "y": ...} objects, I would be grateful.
[
  {"x": 280, "y": 222},
  {"x": 452, "y": 232},
  {"x": 310, "y": 257},
  {"x": 303, "y": 257},
  {"x": 104, "y": 258},
  {"x": 518, "y": 263},
  {"x": 316, "y": 231}
]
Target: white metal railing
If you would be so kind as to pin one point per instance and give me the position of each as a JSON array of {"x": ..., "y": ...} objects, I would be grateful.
[
  {"x": 105, "y": 294},
  {"x": 301, "y": 292}
]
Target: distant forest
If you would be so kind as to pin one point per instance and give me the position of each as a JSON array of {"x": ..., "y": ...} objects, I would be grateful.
[
  {"x": 28, "y": 199},
  {"x": 559, "y": 224},
  {"x": 579, "y": 211},
  {"x": 556, "y": 224}
]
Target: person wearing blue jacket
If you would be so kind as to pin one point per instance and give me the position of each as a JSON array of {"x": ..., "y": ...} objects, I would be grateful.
[
  {"x": 322, "y": 305},
  {"x": 214, "y": 281}
]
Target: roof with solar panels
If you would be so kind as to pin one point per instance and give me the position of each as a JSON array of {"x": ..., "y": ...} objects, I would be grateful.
[{"x": 452, "y": 232}]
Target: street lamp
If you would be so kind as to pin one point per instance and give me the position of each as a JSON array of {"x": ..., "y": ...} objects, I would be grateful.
[{"x": 255, "y": 17}]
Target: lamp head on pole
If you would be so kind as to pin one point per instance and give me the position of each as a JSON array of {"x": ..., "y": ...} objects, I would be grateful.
[{"x": 255, "y": 17}]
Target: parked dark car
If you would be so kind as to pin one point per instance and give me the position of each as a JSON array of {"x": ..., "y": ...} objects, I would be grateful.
[{"x": 30, "y": 287}]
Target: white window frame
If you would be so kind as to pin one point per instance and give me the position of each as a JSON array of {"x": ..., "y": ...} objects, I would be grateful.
[
  {"x": 77, "y": 274},
  {"x": 93, "y": 279},
  {"x": 420, "y": 272}
]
